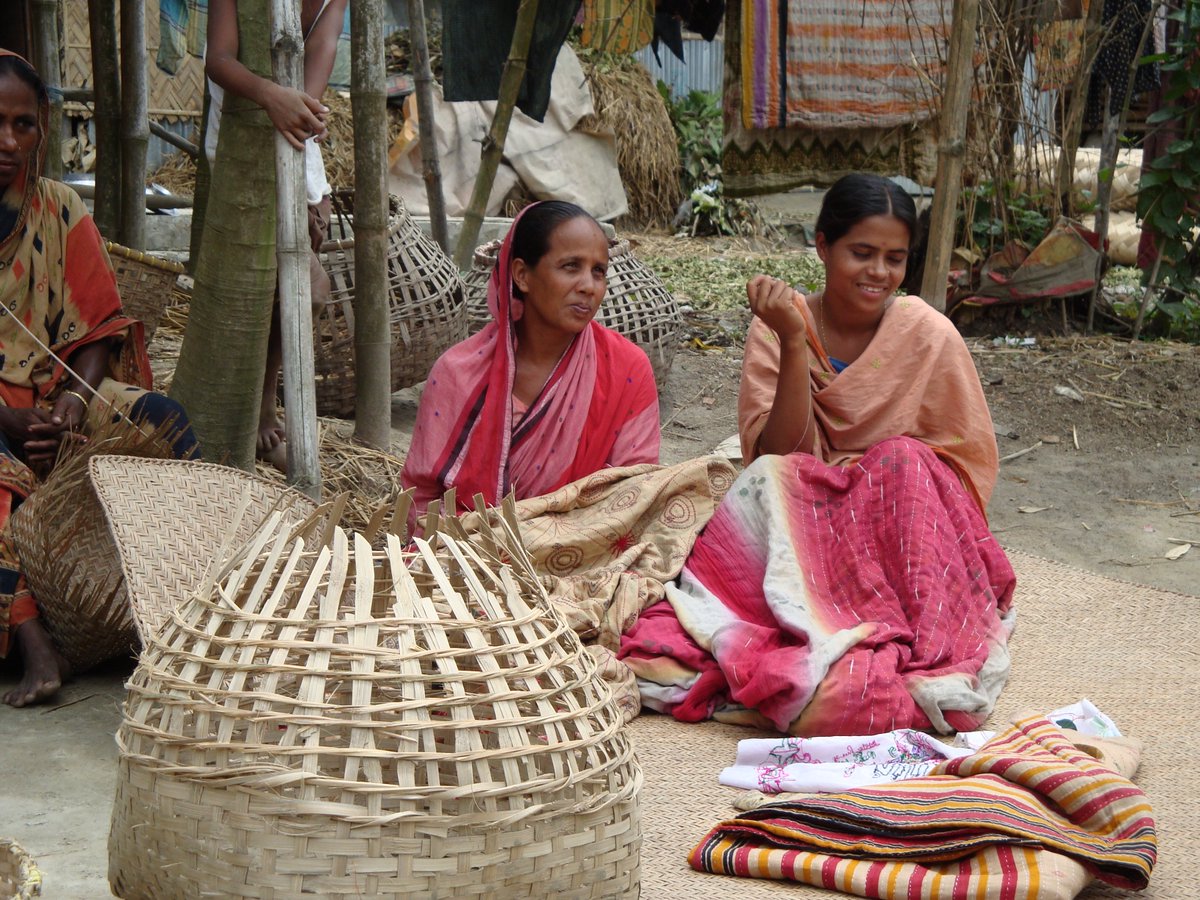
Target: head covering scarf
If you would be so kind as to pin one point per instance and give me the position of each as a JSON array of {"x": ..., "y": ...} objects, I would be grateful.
[
  {"x": 55, "y": 276},
  {"x": 598, "y": 408}
]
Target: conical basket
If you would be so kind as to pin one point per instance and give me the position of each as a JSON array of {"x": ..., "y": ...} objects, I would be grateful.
[
  {"x": 636, "y": 305},
  {"x": 349, "y": 722},
  {"x": 425, "y": 306},
  {"x": 19, "y": 876}
]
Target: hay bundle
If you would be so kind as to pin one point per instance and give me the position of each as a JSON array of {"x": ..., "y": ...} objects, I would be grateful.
[
  {"x": 177, "y": 173},
  {"x": 338, "y": 148},
  {"x": 628, "y": 104}
]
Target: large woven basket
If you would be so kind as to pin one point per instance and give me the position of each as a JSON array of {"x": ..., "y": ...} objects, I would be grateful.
[
  {"x": 636, "y": 304},
  {"x": 353, "y": 722},
  {"x": 145, "y": 284},
  {"x": 19, "y": 876},
  {"x": 425, "y": 307}
]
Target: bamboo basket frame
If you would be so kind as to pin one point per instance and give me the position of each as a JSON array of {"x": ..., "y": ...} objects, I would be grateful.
[
  {"x": 19, "y": 875},
  {"x": 390, "y": 722},
  {"x": 425, "y": 306},
  {"x": 637, "y": 304},
  {"x": 144, "y": 282}
]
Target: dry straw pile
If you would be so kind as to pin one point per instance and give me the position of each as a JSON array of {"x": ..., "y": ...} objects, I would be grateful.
[{"x": 628, "y": 104}]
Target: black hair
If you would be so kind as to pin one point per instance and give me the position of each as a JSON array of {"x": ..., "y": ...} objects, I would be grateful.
[
  {"x": 859, "y": 196},
  {"x": 14, "y": 65},
  {"x": 531, "y": 236}
]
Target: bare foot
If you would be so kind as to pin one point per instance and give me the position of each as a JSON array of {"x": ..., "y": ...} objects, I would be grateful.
[
  {"x": 272, "y": 448},
  {"x": 45, "y": 668}
]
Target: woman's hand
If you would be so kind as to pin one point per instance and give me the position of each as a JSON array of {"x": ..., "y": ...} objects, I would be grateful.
[
  {"x": 775, "y": 302},
  {"x": 49, "y": 430},
  {"x": 295, "y": 114}
]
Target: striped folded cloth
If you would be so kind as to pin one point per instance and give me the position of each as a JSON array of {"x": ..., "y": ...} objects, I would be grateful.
[{"x": 1029, "y": 815}]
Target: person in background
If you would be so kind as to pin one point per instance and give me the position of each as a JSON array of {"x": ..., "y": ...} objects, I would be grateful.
[{"x": 300, "y": 117}]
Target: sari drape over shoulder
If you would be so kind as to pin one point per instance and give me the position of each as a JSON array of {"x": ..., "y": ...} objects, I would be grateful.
[
  {"x": 598, "y": 408},
  {"x": 915, "y": 379}
]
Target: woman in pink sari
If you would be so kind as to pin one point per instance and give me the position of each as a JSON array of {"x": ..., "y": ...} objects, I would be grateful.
[
  {"x": 848, "y": 583},
  {"x": 543, "y": 395}
]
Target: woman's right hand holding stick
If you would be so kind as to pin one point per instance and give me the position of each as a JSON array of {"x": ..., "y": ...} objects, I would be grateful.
[{"x": 777, "y": 303}]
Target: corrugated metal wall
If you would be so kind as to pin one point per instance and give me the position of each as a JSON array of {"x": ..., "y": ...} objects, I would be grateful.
[{"x": 702, "y": 70}]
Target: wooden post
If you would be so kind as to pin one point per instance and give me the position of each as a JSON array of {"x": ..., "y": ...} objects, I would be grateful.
[
  {"x": 292, "y": 249},
  {"x": 493, "y": 144},
  {"x": 431, "y": 168},
  {"x": 46, "y": 61},
  {"x": 1073, "y": 125},
  {"x": 135, "y": 128},
  {"x": 372, "y": 330},
  {"x": 952, "y": 133},
  {"x": 106, "y": 115}
]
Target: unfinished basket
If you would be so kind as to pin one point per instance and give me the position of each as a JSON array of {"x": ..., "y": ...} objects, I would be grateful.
[
  {"x": 387, "y": 723},
  {"x": 19, "y": 876},
  {"x": 145, "y": 284},
  {"x": 425, "y": 307},
  {"x": 636, "y": 304}
]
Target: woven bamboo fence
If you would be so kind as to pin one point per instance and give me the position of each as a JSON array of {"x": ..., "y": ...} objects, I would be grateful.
[{"x": 351, "y": 721}]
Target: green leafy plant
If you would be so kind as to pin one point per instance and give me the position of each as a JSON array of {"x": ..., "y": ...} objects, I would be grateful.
[
  {"x": 697, "y": 121},
  {"x": 996, "y": 216},
  {"x": 1169, "y": 192}
]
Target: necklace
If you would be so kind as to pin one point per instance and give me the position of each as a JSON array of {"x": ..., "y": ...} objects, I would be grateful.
[{"x": 821, "y": 323}]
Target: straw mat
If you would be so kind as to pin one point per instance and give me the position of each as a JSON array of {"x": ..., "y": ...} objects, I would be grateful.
[{"x": 1132, "y": 650}]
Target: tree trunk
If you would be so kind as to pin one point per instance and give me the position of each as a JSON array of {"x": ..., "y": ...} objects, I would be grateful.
[
  {"x": 46, "y": 61},
  {"x": 372, "y": 332},
  {"x": 292, "y": 249},
  {"x": 203, "y": 186},
  {"x": 220, "y": 372},
  {"x": 952, "y": 132},
  {"x": 430, "y": 166},
  {"x": 106, "y": 115},
  {"x": 493, "y": 144},
  {"x": 135, "y": 127}
]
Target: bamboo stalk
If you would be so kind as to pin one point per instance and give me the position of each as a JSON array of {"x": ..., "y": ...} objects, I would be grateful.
[
  {"x": 952, "y": 133},
  {"x": 372, "y": 332},
  {"x": 46, "y": 60},
  {"x": 493, "y": 145},
  {"x": 106, "y": 115},
  {"x": 430, "y": 166},
  {"x": 1108, "y": 162},
  {"x": 1073, "y": 124},
  {"x": 135, "y": 130},
  {"x": 292, "y": 249}
]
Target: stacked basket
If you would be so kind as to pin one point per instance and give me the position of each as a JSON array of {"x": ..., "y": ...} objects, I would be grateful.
[
  {"x": 19, "y": 876},
  {"x": 145, "y": 283},
  {"x": 425, "y": 307},
  {"x": 637, "y": 304},
  {"x": 348, "y": 721}
]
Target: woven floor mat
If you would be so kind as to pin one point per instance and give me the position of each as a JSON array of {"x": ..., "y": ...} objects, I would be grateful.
[{"x": 1130, "y": 649}]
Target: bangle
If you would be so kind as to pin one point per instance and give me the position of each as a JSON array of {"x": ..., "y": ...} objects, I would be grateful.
[{"x": 78, "y": 396}]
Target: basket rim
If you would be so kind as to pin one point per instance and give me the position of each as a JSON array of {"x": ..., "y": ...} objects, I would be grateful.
[{"x": 157, "y": 262}]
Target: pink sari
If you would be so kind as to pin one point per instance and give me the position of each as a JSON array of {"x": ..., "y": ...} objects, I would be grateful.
[{"x": 599, "y": 408}]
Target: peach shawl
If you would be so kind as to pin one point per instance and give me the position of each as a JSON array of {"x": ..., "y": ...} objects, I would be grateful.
[{"x": 915, "y": 379}]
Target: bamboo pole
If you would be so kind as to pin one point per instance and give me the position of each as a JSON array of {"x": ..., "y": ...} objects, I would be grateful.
[
  {"x": 106, "y": 115},
  {"x": 1073, "y": 125},
  {"x": 292, "y": 249},
  {"x": 372, "y": 333},
  {"x": 46, "y": 61},
  {"x": 493, "y": 143},
  {"x": 135, "y": 129},
  {"x": 430, "y": 166},
  {"x": 952, "y": 133}
]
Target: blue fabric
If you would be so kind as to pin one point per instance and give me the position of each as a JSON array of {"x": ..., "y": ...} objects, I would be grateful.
[
  {"x": 157, "y": 409},
  {"x": 837, "y": 364}
]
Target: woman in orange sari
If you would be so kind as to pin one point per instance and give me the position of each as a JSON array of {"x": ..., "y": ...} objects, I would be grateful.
[
  {"x": 75, "y": 364},
  {"x": 543, "y": 395},
  {"x": 848, "y": 583}
]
